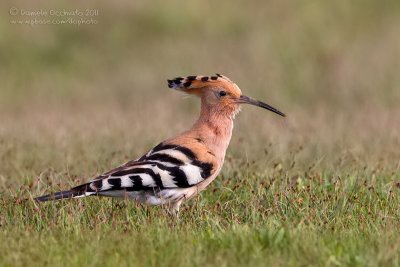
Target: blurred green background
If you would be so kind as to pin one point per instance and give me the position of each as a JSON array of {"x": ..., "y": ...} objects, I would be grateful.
[
  {"x": 100, "y": 89},
  {"x": 318, "y": 188}
]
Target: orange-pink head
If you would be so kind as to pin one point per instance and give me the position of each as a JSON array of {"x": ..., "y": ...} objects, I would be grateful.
[{"x": 217, "y": 92}]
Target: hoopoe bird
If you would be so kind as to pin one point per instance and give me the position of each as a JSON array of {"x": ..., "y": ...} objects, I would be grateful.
[{"x": 178, "y": 168}]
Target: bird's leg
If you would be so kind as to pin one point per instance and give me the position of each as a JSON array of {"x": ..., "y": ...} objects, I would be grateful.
[{"x": 173, "y": 209}]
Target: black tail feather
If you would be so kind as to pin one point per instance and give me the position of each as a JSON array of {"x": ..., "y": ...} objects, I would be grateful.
[
  {"x": 74, "y": 192},
  {"x": 56, "y": 196}
]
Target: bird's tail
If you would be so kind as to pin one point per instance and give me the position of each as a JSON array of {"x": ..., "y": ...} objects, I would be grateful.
[{"x": 79, "y": 191}]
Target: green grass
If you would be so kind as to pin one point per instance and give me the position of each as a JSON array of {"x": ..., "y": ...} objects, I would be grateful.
[
  {"x": 249, "y": 219},
  {"x": 319, "y": 188}
]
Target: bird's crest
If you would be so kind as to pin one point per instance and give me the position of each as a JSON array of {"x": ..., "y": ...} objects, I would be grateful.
[{"x": 196, "y": 82}]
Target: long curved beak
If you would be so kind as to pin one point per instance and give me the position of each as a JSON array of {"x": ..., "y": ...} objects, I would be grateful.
[{"x": 248, "y": 100}]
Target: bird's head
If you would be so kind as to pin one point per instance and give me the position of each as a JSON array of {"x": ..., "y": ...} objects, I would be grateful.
[{"x": 217, "y": 92}]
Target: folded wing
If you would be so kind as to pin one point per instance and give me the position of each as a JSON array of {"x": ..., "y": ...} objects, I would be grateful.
[{"x": 164, "y": 167}]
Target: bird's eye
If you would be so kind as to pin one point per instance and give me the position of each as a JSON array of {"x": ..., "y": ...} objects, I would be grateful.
[{"x": 222, "y": 93}]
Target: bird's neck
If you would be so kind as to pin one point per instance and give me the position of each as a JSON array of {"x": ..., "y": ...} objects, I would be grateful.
[{"x": 214, "y": 127}]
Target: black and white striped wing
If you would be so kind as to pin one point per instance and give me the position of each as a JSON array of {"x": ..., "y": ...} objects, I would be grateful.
[{"x": 164, "y": 167}]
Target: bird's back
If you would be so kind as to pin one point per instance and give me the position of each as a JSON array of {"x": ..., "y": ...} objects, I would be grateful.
[{"x": 168, "y": 173}]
